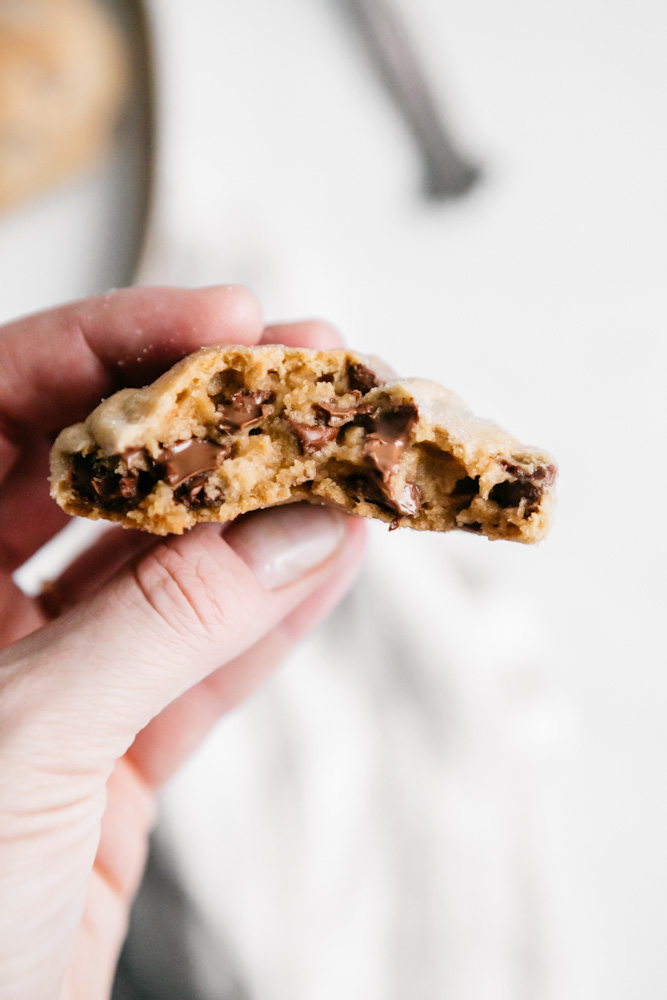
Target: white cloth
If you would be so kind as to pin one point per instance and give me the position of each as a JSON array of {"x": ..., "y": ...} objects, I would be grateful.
[{"x": 411, "y": 808}]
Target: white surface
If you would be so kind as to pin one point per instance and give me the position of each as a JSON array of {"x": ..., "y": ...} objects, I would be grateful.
[{"x": 539, "y": 821}]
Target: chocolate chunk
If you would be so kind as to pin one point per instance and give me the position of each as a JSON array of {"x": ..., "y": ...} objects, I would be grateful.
[
  {"x": 389, "y": 438},
  {"x": 361, "y": 378},
  {"x": 466, "y": 487},
  {"x": 510, "y": 494},
  {"x": 335, "y": 416},
  {"x": 192, "y": 493},
  {"x": 369, "y": 486},
  {"x": 544, "y": 474},
  {"x": 95, "y": 479},
  {"x": 528, "y": 486},
  {"x": 243, "y": 409},
  {"x": 407, "y": 506},
  {"x": 331, "y": 417},
  {"x": 313, "y": 437},
  {"x": 410, "y": 501},
  {"x": 185, "y": 459},
  {"x": 132, "y": 456}
]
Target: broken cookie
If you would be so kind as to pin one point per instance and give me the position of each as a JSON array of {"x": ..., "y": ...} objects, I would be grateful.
[{"x": 234, "y": 429}]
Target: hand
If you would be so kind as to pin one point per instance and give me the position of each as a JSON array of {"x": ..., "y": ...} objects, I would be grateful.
[{"x": 100, "y": 704}]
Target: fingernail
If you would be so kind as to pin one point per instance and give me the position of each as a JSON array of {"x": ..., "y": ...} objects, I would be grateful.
[{"x": 283, "y": 544}]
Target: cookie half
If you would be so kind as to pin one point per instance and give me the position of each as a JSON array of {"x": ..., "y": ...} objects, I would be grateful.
[{"x": 233, "y": 429}]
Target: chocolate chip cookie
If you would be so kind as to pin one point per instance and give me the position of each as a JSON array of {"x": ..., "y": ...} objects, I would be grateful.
[
  {"x": 64, "y": 70},
  {"x": 232, "y": 429}
]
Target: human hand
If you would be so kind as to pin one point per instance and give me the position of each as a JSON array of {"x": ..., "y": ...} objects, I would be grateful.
[{"x": 100, "y": 704}]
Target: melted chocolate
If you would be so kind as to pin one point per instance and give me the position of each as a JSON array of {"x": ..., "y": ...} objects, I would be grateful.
[
  {"x": 528, "y": 486},
  {"x": 361, "y": 378},
  {"x": 192, "y": 493},
  {"x": 409, "y": 504},
  {"x": 185, "y": 459},
  {"x": 389, "y": 438},
  {"x": 466, "y": 487},
  {"x": 132, "y": 455},
  {"x": 313, "y": 437},
  {"x": 335, "y": 416},
  {"x": 96, "y": 480},
  {"x": 369, "y": 486},
  {"x": 243, "y": 409},
  {"x": 184, "y": 465},
  {"x": 410, "y": 500}
]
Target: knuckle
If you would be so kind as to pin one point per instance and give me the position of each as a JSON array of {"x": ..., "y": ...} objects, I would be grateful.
[{"x": 188, "y": 591}]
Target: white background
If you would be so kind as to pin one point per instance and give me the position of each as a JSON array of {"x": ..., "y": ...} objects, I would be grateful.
[{"x": 539, "y": 298}]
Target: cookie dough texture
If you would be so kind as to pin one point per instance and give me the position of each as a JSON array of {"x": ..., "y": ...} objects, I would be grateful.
[
  {"x": 63, "y": 77},
  {"x": 233, "y": 429}
]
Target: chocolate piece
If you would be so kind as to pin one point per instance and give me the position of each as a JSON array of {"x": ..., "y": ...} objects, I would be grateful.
[
  {"x": 389, "y": 438},
  {"x": 466, "y": 487},
  {"x": 313, "y": 437},
  {"x": 409, "y": 504},
  {"x": 335, "y": 415},
  {"x": 410, "y": 500},
  {"x": 190, "y": 458},
  {"x": 369, "y": 486},
  {"x": 361, "y": 378},
  {"x": 95, "y": 479},
  {"x": 243, "y": 409},
  {"x": 528, "y": 486},
  {"x": 131, "y": 456},
  {"x": 544, "y": 474},
  {"x": 384, "y": 446},
  {"x": 192, "y": 493}
]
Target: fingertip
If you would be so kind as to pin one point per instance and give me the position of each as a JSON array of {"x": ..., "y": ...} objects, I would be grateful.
[
  {"x": 146, "y": 330},
  {"x": 236, "y": 312},
  {"x": 315, "y": 334}
]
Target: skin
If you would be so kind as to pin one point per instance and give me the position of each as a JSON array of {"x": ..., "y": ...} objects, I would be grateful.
[{"x": 114, "y": 678}]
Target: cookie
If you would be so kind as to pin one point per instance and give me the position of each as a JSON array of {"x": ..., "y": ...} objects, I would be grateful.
[
  {"x": 233, "y": 429},
  {"x": 63, "y": 77}
]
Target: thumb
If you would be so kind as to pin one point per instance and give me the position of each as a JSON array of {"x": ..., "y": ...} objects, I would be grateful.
[{"x": 85, "y": 684}]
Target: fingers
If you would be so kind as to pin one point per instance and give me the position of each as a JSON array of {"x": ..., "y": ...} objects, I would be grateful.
[
  {"x": 92, "y": 568},
  {"x": 313, "y": 333},
  {"x": 161, "y": 748},
  {"x": 28, "y": 515},
  {"x": 108, "y": 554},
  {"x": 92, "y": 679},
  {"x": 58, "y": 364}
]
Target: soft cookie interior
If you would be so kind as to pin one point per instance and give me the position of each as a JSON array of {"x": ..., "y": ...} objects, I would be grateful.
[{"x": 241, "y": 430}]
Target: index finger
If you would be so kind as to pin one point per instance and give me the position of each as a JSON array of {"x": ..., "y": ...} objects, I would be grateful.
[{"x": 58, "y": 364}]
